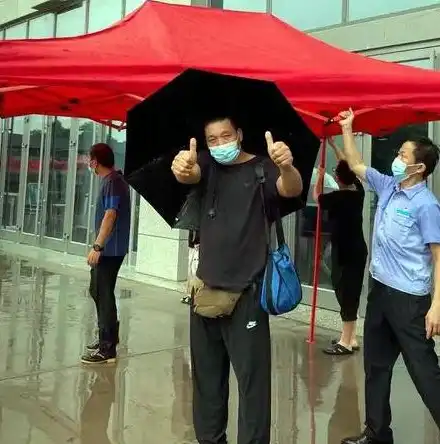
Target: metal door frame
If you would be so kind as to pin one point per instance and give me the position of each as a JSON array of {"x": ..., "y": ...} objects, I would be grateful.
[
  {"x": 73, "y": 247},
  {"x": 13, "y": 235},
  {"x": 3, "y": 161}
]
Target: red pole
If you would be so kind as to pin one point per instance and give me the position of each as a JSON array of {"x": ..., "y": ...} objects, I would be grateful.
[{"x": 317, "y": 254}]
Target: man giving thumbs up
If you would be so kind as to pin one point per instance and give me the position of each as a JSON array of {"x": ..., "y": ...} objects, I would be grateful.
[
  {"x": 185, "y": 166},
  {"x": 232, "y": 256}
]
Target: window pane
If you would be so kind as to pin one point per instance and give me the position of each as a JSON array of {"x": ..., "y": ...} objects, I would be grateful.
[
  {"x": 58, "y": 171},
  {"x": 131, "y": 5},
  {"x": 33, "y": 200},
  {"x": 72, "y": 23},
  {"x": 12, "y": 179},
  {"x": 103, "y": 14},
  {"x": 304, "y": 15},
  {"x": 42, "y": 27},
  {"x": 116, "y": 139},
  {"x": 305, "y": 228},
  {"x": 246, "y": 5},
  {"x": 359, "y": 9},
  {"x": 83, "y": 180},
  {"x": 16, "y": 32}
]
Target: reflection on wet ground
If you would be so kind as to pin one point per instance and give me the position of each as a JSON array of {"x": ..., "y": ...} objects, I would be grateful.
[{"x": 46, "y": 397}]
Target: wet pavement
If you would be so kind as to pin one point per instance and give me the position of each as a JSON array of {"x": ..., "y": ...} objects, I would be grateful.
[{"x": 46, "y": 397}]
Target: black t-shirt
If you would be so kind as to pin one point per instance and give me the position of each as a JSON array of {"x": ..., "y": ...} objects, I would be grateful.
[
  {"x": 233, "y": 247},
  {"x": 345, "y": 214}
]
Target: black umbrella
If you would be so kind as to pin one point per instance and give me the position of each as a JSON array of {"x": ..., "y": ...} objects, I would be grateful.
[{"x": 163, "y": 124}]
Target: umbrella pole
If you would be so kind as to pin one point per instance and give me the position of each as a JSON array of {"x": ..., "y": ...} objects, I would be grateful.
[{"x": 317, "y": 253}]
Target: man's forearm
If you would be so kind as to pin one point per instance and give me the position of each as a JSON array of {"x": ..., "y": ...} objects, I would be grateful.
[
  {"x": 106, "y": 228},
  {"x": 289, "y": 184},
  {"x": 350, "y": 151},
  {"x": 318, "y": 187}
]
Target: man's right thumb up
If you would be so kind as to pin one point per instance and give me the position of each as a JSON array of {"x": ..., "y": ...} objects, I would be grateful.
[{"x": 193, "y": 150}]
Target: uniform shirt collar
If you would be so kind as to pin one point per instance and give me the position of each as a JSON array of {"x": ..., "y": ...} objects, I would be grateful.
[{"x": 412, "y": 191}]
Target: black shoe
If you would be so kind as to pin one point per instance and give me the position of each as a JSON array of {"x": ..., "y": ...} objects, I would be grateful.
[
  {"x": 363, "y": 439},
  {"x": 99, "y": 357},
  {"x": 93, "y": 347}
]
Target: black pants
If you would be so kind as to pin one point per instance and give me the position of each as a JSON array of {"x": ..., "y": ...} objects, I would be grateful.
[
  {"x": 102, "y": 289},
  {"x": 347, "y": 280},
  {"x": 394, "y": 324},
  {"x": 242, "y": 340}
]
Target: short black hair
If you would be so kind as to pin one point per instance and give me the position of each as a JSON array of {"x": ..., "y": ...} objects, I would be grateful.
[
  {"x": 344, "y": 174},
  {"x": 103, "y": 154},
  {"x": 426, "y": 152},
  {"x": 220, "y": 118}
]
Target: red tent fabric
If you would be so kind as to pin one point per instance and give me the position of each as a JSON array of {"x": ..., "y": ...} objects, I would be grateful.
[{"x": 101, "y": 75}]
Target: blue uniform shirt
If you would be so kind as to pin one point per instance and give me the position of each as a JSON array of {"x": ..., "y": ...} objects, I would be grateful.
[
  {"x": 406, "y": 222},
  {"x": 114, "y": 195}
]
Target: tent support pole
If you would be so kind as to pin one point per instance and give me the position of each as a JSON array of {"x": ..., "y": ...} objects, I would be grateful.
[{"x": 317, "y": 253}]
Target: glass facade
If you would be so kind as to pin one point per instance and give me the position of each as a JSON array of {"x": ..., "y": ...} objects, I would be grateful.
[
  {"x": 361, "y": 9},
  {"x": 305, "y": 16},
  {"x": 323, "y": 13}
]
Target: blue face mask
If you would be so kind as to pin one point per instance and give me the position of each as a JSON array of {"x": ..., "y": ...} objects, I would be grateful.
[
  {"x": 398, "y": 168},
  {"x": 225, "y": 154}
]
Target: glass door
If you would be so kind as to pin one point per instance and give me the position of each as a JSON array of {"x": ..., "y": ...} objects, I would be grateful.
[
  {"x": 32, "y": 205},
  {"x": 82, "y": 189},
  {"x": 57, "y": 182},
  {"x": 11, "y": 173},
  {"x": 304, "y": 240}
]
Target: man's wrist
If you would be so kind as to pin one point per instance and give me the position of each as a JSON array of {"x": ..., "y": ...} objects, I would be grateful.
[
  {"x": 287, "y": 169},
  {"x": 97, "y": 246},
  {"x": 435, "y": 299},
  {"x": 347, "y": 128}
]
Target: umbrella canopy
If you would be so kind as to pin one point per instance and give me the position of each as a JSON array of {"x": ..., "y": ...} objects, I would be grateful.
[
  {"x": 180, "y": 110},
  {"x": 101, "y": 75}
]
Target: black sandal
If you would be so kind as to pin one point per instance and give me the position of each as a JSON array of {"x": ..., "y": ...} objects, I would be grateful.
[
  {"x": 337, "y": 350},
  {"x": 186, "y": 300},
  {"x": 354, "y": 348}
]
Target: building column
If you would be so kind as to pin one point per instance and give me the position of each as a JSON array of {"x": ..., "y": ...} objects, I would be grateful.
[{"x": 162, "y": 251}]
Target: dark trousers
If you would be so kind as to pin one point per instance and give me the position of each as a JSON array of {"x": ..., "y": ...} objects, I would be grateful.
[
  {"x": 242, "y": 340},
  {"x": 394, "y": 324},
  {"x": 102, "y": 290},
  {"x": 347, "y": 280}
]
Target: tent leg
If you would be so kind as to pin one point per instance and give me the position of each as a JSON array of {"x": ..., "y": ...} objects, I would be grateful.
[{"x": 317, "y": 255}]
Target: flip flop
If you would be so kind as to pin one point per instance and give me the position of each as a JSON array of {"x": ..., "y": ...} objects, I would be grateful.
[
  {"x": 186, "y": 300},
  {"x": 354, "y": 348},
  {"x": 337, "y": 350}
]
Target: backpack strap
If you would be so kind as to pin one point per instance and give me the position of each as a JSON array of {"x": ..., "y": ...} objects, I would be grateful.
[
  {"x": 259, "y": 171},
  {"x": 211, "y": 190}
]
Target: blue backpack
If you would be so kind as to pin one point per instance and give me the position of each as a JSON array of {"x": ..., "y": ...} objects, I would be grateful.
[{"x": 281, "y": 289}]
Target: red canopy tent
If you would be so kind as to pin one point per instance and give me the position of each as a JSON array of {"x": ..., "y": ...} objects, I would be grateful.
[{"x": 101, "y": 75}]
